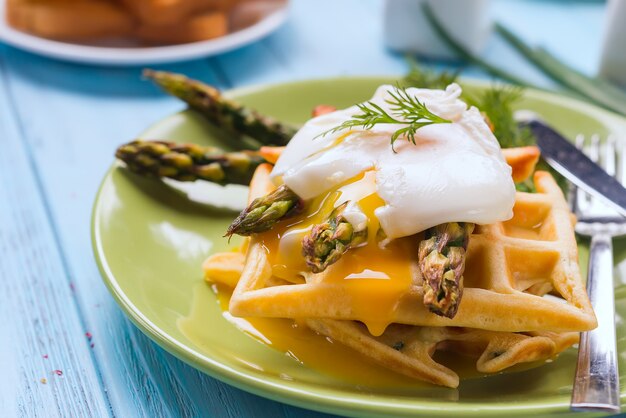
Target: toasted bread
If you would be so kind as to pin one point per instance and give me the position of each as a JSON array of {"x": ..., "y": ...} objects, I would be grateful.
[
  {"x": 170, "y": 12},
  {"x": 70, "y": 19},
  {"x": 198, "y": 28}
]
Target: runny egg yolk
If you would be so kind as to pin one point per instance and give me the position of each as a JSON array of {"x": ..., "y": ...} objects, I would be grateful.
[{"x": 373, "y": 277}]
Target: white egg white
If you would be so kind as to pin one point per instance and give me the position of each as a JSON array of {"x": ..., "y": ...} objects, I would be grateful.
[{"x": 454, "y": 173}]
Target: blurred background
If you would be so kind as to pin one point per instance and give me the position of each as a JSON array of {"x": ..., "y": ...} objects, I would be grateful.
[{"x": 71, "y": 91}]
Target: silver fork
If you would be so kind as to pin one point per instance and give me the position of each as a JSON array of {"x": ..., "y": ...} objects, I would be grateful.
[{"x": 596, "y": 385}]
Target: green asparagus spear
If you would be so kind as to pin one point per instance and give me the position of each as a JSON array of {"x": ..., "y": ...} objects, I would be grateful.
[
  {"x": 222, "y": 112},
  {"x": 442, "y": 263},
  {"x": 189, "y": 162},
  {"x": 328, "y": 241},
  {"x": 264, "y": 212}
]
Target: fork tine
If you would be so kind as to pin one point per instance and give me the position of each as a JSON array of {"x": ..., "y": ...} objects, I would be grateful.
[
  {"x": 604, "y": 154},
  {"x": 572, "y": 199},
  {"x": 572, "y": 190},
  {"x": 594, "y": 149},
  {"x": 621, "y": 161},
  {"x": 609, "y": 156},
  {"x": 582, "y": 200}
]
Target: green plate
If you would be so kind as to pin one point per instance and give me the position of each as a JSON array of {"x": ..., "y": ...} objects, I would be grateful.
[{"x": 150, "y": 241}]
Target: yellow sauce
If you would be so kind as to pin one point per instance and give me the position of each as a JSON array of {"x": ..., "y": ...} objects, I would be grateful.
[
  {"x": 309, "y": 348},
  {"x": 300, "y": 343},
  {"x": 374, "y": 278},
  {"x": 312, "y": 350}
]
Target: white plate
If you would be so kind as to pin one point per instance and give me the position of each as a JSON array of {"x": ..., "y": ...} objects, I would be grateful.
[{"x": 94, "y": 54}]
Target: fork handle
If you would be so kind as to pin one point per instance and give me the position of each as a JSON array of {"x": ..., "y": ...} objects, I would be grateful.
[{"x": 596, "y": 386}]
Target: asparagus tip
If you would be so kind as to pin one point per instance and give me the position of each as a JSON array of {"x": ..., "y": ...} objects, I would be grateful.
[
  {"x": 328, "y": 241},
  {"x": 264, "y": 212}
]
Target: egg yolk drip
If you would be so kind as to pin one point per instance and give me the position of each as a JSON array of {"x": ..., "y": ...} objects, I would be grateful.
[{"x": 374, "y": 277}]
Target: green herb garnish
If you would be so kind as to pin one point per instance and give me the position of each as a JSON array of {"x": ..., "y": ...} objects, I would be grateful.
[
  {"x": 405, "y": 110},
  {"x": 497, "y": 104},
  {"x": 424, "y": 78}
]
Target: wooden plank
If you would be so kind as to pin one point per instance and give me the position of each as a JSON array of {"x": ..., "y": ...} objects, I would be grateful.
[
  {"x": 41, "y": 328},
  {"x": 73, "y": 122}
]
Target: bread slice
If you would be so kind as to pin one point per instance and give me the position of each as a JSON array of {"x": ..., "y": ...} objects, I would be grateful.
[
  {"x": 164, "y": 12},
  {"x": 200, "y": 27},
  {"x": 70, "y": 19}
]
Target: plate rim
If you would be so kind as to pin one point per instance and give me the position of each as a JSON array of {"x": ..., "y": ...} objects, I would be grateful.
[
  {"x": 354, "y": 406},
  {"x": 112, "y": 56}
]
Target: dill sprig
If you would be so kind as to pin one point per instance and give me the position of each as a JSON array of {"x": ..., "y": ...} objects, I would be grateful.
[
  {"x": 405, "y": 110},
  {"x": 497, "y": 103},
  {"x": 421, "y": 77}
]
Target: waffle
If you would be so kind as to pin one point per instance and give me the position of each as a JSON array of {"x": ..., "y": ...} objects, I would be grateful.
[
  {"x": 409, "y": 350},
  {"x": 521, "y": 275}
]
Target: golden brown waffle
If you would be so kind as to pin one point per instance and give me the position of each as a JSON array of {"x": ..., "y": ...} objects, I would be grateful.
[
  {"x": 521, "y": 275},
  {"x": 522, "y": 160},
  {"x": 409, "y": 350}
]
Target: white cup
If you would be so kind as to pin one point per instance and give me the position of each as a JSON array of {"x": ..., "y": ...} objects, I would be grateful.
[
  {"x": 613, "y": 58},
  {"x": 407, "y": 28}
]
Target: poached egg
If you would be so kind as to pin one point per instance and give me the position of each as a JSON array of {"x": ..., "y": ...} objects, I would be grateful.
[{"x": 455, "y": 172}]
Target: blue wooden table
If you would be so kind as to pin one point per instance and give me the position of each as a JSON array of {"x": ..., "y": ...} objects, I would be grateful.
[{"x": 66, "y": 349}]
